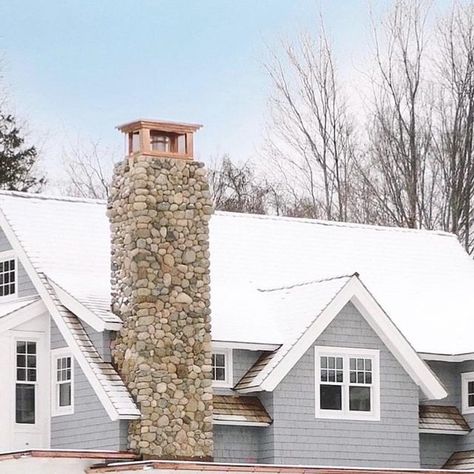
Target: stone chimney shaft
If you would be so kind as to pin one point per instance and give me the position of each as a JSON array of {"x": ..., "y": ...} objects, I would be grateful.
[{"x": 159, "y": 210}]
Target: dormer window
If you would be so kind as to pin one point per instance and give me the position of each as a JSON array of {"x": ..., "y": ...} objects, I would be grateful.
[
  {"x": 222, "y": 368},
  {"x": 8, "y": 275}
]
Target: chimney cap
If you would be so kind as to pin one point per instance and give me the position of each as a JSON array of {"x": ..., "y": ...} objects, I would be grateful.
[{"x": 161, "y": 125}]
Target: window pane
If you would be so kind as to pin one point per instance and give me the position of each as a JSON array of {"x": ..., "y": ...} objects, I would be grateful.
[
  {"x": 324, "y": 375},
  {"x": 21, "y": 347},
  {"x": 353, "y": 377},
  {"x": 332, "y": 376},
  {"x": 368, "y": 377},
  {"x": 339, "y": 377},
  {"x": 368, "y": 364},
  {"x": 470, "y": 400},
  {"x": 332, "y": 362},
  {"x": 359, "y": 398},
  {"x": 25, "y": 403},
  {"x": 324, "y": 362},
  {"x": 31, "y": 347},
  {"x": 330, "y": 397},
  {"x": 470, "y": 387},
  {"x": 220, "y": 374},
  {"x": 21, "y": 360},
  {"x": 31, "y": 375},
  {"x": 65, "y": 394},
  {"x": 31, "y": 362},
  {"x": 21, "y": 374},
  {"x": 352, "y": 364}
]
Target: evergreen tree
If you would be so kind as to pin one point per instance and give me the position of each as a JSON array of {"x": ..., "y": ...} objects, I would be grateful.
[{"x": 16, "y": 159}]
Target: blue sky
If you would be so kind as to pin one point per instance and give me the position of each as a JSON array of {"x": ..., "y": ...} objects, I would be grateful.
[{"x": 77, "y": 68}]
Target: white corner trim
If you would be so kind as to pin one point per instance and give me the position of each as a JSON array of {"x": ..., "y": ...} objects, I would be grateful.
[
  {"x": 76, "y": 307},
  {"x": 55, "y": 355},
  {"x": 345, "y": 413},
  {"x": 235, "y": 421},
  {"x": 54, "y": 312},
  {"x": 247, "y": 346},
  {"x": 462, "y": 357},
  {"x": 466, "y": 377},
  {"x": 229, "y": 367},
  {"x": 357, "y": 293}
]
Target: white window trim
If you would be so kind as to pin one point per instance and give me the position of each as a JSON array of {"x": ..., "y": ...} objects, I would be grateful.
[
  {"x": 10, "y": 255},
  {"x": 345, "y": 413},
  {"x": 466, "y": 377},
  {"x": 229, "y": 379},
  {"x": 56, "y": 410}
]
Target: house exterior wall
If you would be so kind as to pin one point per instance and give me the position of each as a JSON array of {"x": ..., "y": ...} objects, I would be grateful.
[
  {"x": 25, "y": 285},
  {"x": 435, "y": 449},
  {"x": 236, "y": 444},
  {"x": 89, "y": 427},
  {"x": 297, "y": 437}
]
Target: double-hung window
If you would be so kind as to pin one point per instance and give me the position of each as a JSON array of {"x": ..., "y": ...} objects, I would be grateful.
[
  {"x": 26, "y": 379},
  {"x": 467, "y": 392},
  {"x": 8, "y": 275},
  {"x": 222, "y": 367},
  {"x": 347, "y": 383},
  {"x": 63, "y": 381}
]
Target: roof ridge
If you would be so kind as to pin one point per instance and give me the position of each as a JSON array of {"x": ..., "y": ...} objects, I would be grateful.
[
  {"x": 306, "y": 220},
  {"x": 307, "y": 283},
  {"x": 50, "y": 197}
]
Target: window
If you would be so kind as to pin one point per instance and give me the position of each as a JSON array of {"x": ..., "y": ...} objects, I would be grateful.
[
  {"x": 467, "y": 391},
  {"x": 63, "y": 379},
  {"x": 7, "y": 275},
  {"x": 347, "y": 383},
  {"x": 26, "y": 378},
  {"x": 222, "y": 368}
]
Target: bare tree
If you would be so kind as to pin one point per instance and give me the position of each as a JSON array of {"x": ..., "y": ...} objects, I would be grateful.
[
  {"x": 310, "y": 140},
  {"x": 455, "y": 123},
  {"x": 88, "y": 170},
  {"x": 397, "y": 168},
  {"x": 236, "y": 187}
]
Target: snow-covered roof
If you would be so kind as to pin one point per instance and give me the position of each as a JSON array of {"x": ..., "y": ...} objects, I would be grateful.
[{"x": 423, "y": 279}]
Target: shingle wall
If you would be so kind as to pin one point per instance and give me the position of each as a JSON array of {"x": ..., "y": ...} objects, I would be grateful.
[
  {"x": 236, "y": 443},
  {"x": 300, "y": 438},
  {"x": 435, "y": 449},
  {"x": 90, "y": 426}
]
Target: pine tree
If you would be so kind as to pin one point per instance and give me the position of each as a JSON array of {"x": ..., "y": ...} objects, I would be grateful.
[{"x": 16, "y": 159}]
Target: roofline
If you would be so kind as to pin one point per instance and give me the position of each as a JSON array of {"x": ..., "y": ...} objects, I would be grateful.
[
  {"x": 267, "y": 468},
  {"x": 301, "y": 220},
  {"x": 461, "y": 357},
  {"x": 355, "y": 225},
  {"x": 81, "y": 311},
  {"x": 357, "y": 293}
]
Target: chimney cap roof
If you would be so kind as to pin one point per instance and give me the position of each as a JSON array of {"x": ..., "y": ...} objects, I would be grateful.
[{"x": 161, "y": 125}]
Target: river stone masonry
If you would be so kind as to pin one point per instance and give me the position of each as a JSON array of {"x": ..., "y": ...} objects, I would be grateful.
[{"x": 159, "y": 210}]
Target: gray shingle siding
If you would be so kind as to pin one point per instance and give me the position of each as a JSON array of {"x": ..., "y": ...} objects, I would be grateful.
[
  {"x": 89, "y": 427},
  {"x": 300, "y": 438},
  {"x": 236, "y": 444},
  {"x": 435, "y": 449}
]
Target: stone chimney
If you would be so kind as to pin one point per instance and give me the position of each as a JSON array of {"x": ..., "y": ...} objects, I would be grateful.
[{"x": 159, "y": 210}]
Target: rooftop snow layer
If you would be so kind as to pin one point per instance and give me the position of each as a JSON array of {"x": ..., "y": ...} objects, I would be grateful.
[{"x": 423, "y": 279}]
